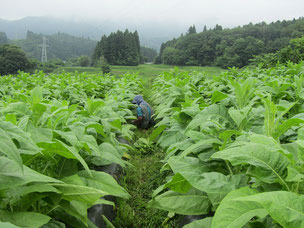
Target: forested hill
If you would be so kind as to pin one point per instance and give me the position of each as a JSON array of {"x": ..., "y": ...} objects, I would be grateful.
[
  {"x": 151, "y": 34},
  {"x": 119, "y": 48},
  {"x": 229, "y": 47},
  {"x": 60, "y": 45}
]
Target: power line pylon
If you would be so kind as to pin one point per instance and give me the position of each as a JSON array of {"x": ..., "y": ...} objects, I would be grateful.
[{"x": 44, "y": 54}]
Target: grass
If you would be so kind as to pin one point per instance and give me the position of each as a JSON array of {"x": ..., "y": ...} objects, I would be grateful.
[
  {"x": 92, "y": 70},
  {"x": 140, "y": 181},
  {"x": 152, "y": 70},
  {"x": 144, "y": 70}
]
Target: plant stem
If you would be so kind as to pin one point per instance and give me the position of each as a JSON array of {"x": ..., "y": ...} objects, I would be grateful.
[{"x": 229, "y": 168}]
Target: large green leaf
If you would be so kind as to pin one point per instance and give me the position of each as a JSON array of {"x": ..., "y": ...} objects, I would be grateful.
[
  {"x": 235, "y": 213},
  {"x": 218, "y": 96},
  {"x": 267, "y": 165},
  {"x": 69, "y": 136},
  {"x": 76, "y": 209},
  {"x": 53, "y": 224},
  {"x": 40, "y": 134},
  {"x": 18, "y": 108},
  {"x": 202, "y": 223},
  {"x": 26, "y": 144},
  {"x": 157, "y": 132},
  {"x": 64, "y": 150},
  {"x": 239, "y": 116},
  {"x": 241, "y": 205},
  {"x": 200, "y": 146},
  {"x": 211, "y": 111},
  {"x": 24, "y": 219},
  {"x": 75, "y": 188},
  {"x": 191, "y": 203},
  {"x": 8, "y": 225},
  {"x": 36, "y": 187},
  {"x": 36, "y": 95},
  {"x": 109, "y": 154},
  {"x": 12, "y": 176},
  {"x": 187, "y": 164},
  {"x": 178, "y": 184},
  {"x": 212, "y": 182},
  {"x": 38, "y": 110},
  {"x": 284, "y": 207},
  {"x": 103, "y": 182},
  {"x": 8, "y": 148},
  {"x": 286, "y": 125}
]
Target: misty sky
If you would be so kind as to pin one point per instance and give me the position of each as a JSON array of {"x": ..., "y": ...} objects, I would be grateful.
[{"x": 228, "y": 13}]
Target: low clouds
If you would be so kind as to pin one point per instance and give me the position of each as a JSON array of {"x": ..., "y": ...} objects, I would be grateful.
[{"x": 228, "y": 13}]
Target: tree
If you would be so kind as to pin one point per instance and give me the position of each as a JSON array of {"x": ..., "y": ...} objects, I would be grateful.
[
  {"x": 173, "y": 56},
  {"x": 120, "y": 48},
  {"x": 105, "y": 67},
  {"x": 72, "y": 62},
  {"x": 218, "y": 27},
  {"x": 233, "y": 47},
  {"x": 12, "y": 59},
  {"x": 191, "y": 30},
  {"x": 84, "y": 61}
]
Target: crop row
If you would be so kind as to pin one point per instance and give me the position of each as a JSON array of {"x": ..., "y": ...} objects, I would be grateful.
[
  {"x": 234, "y": 146},
  {"x": 54, "y": 130}
]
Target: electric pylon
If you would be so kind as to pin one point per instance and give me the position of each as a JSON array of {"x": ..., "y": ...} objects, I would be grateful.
[{"x": 43, "y": 54}]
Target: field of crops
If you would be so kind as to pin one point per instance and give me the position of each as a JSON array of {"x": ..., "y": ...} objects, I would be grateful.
[
  {"x": 53, "y": 131},
  {"x": 233, "y": 146}
]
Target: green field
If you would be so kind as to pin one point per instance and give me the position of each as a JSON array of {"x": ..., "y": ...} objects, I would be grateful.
[
  {"x": 228, "y": 147},
  {"x": 144, "y": 70}
]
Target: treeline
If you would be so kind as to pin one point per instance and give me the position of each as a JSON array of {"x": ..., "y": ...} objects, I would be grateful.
[
  {"x": 60, "y": 45},
  {"x": 294, "y": 53},
  {"x": 119, "y": 48},
  {"x": 229, "y": 47}
]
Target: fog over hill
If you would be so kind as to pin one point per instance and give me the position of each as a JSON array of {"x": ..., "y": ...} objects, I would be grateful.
[{"x": 151, "y": 35}]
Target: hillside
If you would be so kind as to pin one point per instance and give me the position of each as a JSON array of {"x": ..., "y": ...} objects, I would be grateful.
[
  {"x": 224, "y": 47},
  {"x": 60, "y": 45},
  {"x": 151, "y": 35}
]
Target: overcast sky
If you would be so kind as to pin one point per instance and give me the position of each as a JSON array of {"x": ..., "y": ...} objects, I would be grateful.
[{"x": 228, "y": 13}]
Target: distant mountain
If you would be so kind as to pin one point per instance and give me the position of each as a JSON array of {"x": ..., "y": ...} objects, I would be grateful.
[{"x": 151, "y": 35}]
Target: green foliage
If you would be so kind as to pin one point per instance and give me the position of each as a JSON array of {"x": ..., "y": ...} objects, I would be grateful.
[
  {"x": 54, "y": 129},
  {"x": 120, "y": 48},
  {"x": 172, "y": 56},
  {"x": 84, "y": 61},
  {"x": 72, "y": 62},
  {"x": 106, "y": 68},
  {"x": 140, "y": 180},
  {"x": 191, "y": 30},
  {"x": 47, "y": 67},
  {"x": 12, "y": 59},
  {"x": 148, "y": 54},
  {"x": 234, "y": 146},
  {"x": 294, "y": 52},
  {"x": 232, "y": 47}
]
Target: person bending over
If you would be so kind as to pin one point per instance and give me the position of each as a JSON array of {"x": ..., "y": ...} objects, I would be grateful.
[{"x": 144, "y": 113}]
